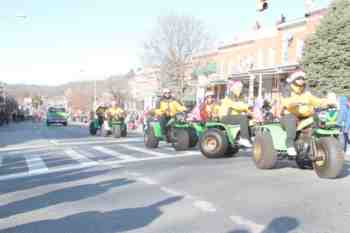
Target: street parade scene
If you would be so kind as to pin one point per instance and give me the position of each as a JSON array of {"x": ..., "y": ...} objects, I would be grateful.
[{"x": 175, "y": 117}]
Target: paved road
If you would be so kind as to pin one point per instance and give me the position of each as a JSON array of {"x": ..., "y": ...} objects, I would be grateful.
[{"x": 60, "y": 180}]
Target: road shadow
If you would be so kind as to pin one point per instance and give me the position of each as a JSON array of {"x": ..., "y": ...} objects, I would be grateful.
[
  {"x": 285, "y": 163},
  {"x": 278, "y": 225},
  {"x": 282, "y": 164},
  {"x": 66, "y": 195},
  {"x": 9, "y": 186},
  {"x": 346, "y": 170},
  {"x": 98, "y": 222}
]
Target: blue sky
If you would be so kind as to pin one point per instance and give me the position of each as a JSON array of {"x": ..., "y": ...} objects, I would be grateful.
[{"x": 70, "y": 40}]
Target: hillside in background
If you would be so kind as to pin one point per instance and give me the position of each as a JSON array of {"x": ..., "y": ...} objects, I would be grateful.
[{"x": 80, "y": 94}]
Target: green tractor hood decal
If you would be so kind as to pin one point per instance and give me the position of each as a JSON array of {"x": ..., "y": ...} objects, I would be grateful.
[{"x": 327, "y": 132}]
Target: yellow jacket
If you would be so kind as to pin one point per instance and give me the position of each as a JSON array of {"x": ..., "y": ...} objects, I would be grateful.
[
  {"x": 169, "y": 108},
  {"x": 230, "y": 107},
  {"x": 115, "y": 112},
  {"x": 303, "y": 105}
]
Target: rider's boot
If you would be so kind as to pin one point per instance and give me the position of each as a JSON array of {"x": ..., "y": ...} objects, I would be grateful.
[{"x": 245, "y": 143}]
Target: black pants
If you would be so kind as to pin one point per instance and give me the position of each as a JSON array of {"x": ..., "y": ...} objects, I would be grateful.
[
  {"x": 346, "y": 140},
  {"x": 100, "y": 120},
  {"x": 289, "y": 123},
  {"x": 163, "y": 124},
  {"x": 242, "y": 120}
]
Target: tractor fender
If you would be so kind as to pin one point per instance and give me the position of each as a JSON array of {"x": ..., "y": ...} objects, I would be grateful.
[
  {"x": 278, "y": 134},
  {"x": 232, "y": 131},
  {"x": 155, "y": 126},
  {"x": 199, "y": 128}
]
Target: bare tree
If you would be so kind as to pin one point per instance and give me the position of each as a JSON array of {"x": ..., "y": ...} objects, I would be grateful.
[
  {"x": 173, "y": 41},
  {"x": 119, "y": 87}
]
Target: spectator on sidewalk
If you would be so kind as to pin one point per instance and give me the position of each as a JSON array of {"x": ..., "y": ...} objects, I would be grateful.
[{"x": 344, "y": 118}]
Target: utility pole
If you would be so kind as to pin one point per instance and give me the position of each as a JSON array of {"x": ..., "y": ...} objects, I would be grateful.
[
  {"x": 2, "y": 93},
  {"x": 95, "y": 95}
]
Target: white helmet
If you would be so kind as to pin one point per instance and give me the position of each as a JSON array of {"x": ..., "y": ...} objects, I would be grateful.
[
  {"x": 209, "y": 93},
  {"x": 166, "y": 90},
  {"x": 295, "y": 76}
]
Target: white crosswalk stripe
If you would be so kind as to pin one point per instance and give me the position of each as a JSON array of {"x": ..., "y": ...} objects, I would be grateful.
[
  {"x": 79, "y": 157},
  {"x": 114, "y": 153},
  {"x": 35, "y": 164},
  {"x": 142, "y": 150},
  {"x": 49, "y": 171}
]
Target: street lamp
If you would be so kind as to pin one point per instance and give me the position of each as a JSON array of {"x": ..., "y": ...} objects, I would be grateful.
[
  {"x": 95, "y": 95},
  {"x": 2, "y": 94}
]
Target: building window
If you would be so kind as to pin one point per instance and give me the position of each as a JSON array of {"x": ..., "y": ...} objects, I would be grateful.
[
  {"x": 275, "y": 85},
  {"x": 221, "y": 68},
  {"x": 231, "y": 67},
  {"x": 272, "y": 57},
  {"x": 260, "y": 62},
  {"x": 287, "y": 38},
  {"x": 300, "y": 49}
]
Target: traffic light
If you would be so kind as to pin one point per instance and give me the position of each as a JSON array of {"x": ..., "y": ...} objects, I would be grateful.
[{"x": 262, "y": 5}]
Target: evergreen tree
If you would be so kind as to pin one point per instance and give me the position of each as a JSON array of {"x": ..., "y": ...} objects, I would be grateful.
[{"x": 327, "y": 54}]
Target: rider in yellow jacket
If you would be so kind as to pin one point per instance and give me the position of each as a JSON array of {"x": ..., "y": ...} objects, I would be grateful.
[
  {"x": 233, "y": 110},
  {"x": 115, "y": 112},
  {"x": 299, "y": 105},
  {"x": 167, "y": 108}
]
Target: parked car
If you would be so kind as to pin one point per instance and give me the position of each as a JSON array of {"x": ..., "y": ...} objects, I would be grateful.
[{"x": 57, "y": 115}]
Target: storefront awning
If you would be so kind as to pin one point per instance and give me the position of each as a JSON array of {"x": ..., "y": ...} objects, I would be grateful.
[
  {"x": 218, "y": 82},
  {"x": 280, "y": 69}
]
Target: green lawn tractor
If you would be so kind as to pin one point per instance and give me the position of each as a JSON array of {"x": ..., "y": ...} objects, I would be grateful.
[
  {"x": 94, "y": 127},
  {"x": 115, "y": 127},
  {"x": 219, "y": 140},
  {"x": 181, "y": 133},
  {"x": 316, "y": 144},
  {"x": 95, "y": 124}
]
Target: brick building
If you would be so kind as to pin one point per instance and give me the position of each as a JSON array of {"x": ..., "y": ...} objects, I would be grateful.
[
  {"x": 144, "y": 87},
  {"x": 263, "y": 58}
]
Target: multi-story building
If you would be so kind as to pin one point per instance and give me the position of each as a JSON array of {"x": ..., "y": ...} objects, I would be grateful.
[
  {"x": 263, "y": 58},
  {"x": 144, "y": 87}
]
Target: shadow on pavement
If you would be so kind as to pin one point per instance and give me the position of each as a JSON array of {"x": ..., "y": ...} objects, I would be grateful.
[
  {"x": 278, "y": 225},
  {"x": 10, "y": 186},
  {"x": 346, "y": 170},
  {"x": 56, "y": 197},
  {"x": 98, "y": 222}
]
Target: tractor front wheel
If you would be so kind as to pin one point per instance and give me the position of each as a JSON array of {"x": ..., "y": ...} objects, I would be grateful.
[
  {"x": 264, "y": 154},
  {"x": 213, "y": 144},
  {"x": 329, "y": 158}
]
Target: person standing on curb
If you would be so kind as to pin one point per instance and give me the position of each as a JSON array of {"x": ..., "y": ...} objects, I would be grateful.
[{"x": 344, "y": 119}]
